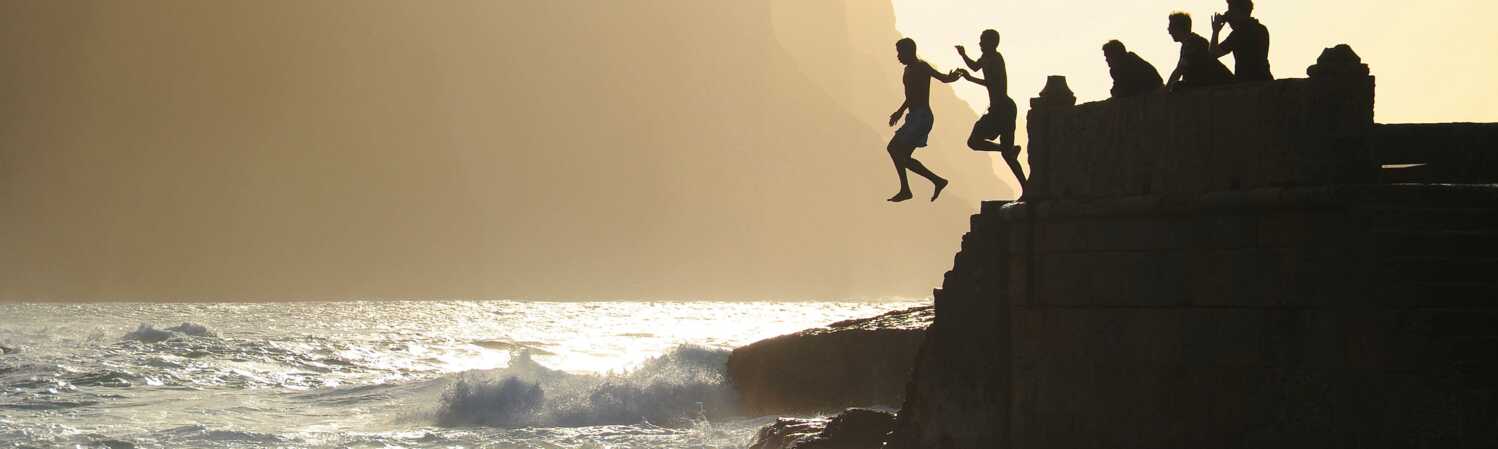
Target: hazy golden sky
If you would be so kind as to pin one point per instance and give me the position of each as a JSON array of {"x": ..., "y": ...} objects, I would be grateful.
[
  {"x": 570, "y": 149},
  {"x": 673, "y": 149},
  {"x": 1434, "y": 59}
]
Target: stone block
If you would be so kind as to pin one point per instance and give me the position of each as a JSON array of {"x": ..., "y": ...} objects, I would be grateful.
[
  {"x": 1446, "y": 294},
  {"x": 1059, "y": 236},
  {"x": 1224, "y": 338},
  {"x": 1065, "y": 279},
  {"x": 1226, "y": 231},
  {"x": 1464, "y": 323}
]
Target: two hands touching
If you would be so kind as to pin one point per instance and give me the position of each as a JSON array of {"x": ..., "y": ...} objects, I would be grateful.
[{"x": 955, "y": 73}]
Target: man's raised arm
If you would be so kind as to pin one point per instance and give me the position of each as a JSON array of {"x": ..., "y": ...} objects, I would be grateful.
[
  {"x": 1214, "y": 48},
  {"x": 971, "y": 64}
]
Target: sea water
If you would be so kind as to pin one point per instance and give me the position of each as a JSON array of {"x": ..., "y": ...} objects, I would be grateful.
[{"x": 429, "y": 374}]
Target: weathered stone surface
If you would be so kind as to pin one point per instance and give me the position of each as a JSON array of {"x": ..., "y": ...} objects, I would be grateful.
[
  {"x": 850, "y": 363},
  {"x": 1293, "y": 132},
  {"x": 854, "y": 428},
  {"x": 1299, "y": 317}
]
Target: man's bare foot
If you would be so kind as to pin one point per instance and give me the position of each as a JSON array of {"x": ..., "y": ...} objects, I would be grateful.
[
  {"x": 940, "y": 184},
  {"x": 902, "y": 196}
]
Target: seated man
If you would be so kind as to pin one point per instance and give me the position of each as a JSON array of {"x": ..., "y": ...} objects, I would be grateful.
[
  {"x": 1249, "y": 42},
  {"x": 1132, "y": 75},
  {"x": 1197, "y": 67}
]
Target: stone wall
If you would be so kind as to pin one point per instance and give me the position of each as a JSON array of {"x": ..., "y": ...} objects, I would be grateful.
[
  {"x": 1347, "y": 316},
  {"x": 1177, "y": 284},
  {"x": 1294, "y": 132},
  {"x": 1439, "y": 152}
]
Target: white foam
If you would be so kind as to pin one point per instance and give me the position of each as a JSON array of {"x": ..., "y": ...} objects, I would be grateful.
[{"x": 684, "y": 386}]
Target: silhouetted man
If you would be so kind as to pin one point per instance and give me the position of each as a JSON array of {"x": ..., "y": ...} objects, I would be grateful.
[
  {"x": 998, "y": 123},
  {"x": 1249, "y": 42},
  {"x": 1132, "y": 75},
  {"x": 917, "y": 128},
  {"x": 1197, "y": 67}
]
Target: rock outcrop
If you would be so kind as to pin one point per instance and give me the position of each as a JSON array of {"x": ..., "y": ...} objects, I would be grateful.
[
  {"x": 855, "y": 428},
  {"x": 849, "y": 363}
]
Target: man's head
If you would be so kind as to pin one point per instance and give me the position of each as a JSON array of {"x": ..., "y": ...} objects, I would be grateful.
[
  {"x": 1180, "y": 26},
  {"x": 905, "y": 50},
  {"x": 989, "y": 41},
  {"x": 1113, "y": 51},
  {"x": 1244, "y": 8}
]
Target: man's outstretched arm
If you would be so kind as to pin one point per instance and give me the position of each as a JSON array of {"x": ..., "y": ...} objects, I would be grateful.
[
  {"x": 945, "y": 78},
  {"x": 974, "y": 79},
  {"x": 971, "y": 64}
]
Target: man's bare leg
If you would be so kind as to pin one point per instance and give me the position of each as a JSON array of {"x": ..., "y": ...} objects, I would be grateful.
[
  {"x": 900, "y": 155},
  {"x": 1011, "y": 157},
  {"x": 920, "y": 169}
]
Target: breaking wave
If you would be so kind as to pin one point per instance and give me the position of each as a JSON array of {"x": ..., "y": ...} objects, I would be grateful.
[
  {"x": 146, "y": 333},
  {"x": 682, "y": 387}
]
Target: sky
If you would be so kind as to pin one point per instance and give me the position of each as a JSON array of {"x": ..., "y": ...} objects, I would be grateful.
[
  {"x": 568, "y": 149},
  {"x": 1434, "y": 59},
  {"x": 571, "y": 149}
]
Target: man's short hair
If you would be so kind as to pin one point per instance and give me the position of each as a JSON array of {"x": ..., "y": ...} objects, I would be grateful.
[
  {"x": 990, "y": 32},
  {"x": 1180, "y": 19},
  {"x": 1246, "y": 6},
  {"x": 906, "y": 44},
  {"x": 1114, "y": 46}
]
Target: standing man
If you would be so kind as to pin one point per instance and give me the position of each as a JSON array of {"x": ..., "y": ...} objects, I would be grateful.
[
  {"x": 1132, "y": 75},
  {"x": 1197, "y": 67},
  {"x": 1249, "y": 42},
  {"x": 917, "y": 128},
  {"x": 998, "y": 123}
]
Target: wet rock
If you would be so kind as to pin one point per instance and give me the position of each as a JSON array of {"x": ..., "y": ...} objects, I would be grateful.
[
  {"x": 850, "y": 363},
  {"x": 853, "y": 429},
  {"x": 788, "y": 433}
]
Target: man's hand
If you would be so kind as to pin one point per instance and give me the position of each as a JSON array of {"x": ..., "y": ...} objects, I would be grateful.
[
  {"x": 961, "y": 51},
  {"x": 895, "y": 118},
  {"x": 1218, "y": 20},
  {"x": 959, "y": 73}
]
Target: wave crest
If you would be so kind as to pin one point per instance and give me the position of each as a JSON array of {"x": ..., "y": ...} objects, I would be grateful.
[
  {"x": 147, "y": 333},
  {"x": 677, "y": 389}
]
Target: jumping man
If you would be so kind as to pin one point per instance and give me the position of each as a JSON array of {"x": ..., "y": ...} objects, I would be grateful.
[
  {"x": 917, "y": 128},
  {"x": 998, "y": 123}
]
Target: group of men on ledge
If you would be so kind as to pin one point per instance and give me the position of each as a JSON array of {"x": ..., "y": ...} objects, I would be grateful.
[{"x": 1132, "y": 75}]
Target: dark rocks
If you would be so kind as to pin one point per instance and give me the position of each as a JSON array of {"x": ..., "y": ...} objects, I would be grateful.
[
  {"x": 849, "y": 363},
  {"x": 855, "y": 428},
  {"x": 1338, "y": 61},
  {"x": 788, "y": 433},
  {"x": 1055, "y": 93},
  {"x": 5, "y": 350}
]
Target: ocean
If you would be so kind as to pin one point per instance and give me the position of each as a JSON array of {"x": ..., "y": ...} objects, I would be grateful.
[{"x": 403, "y": 374}]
